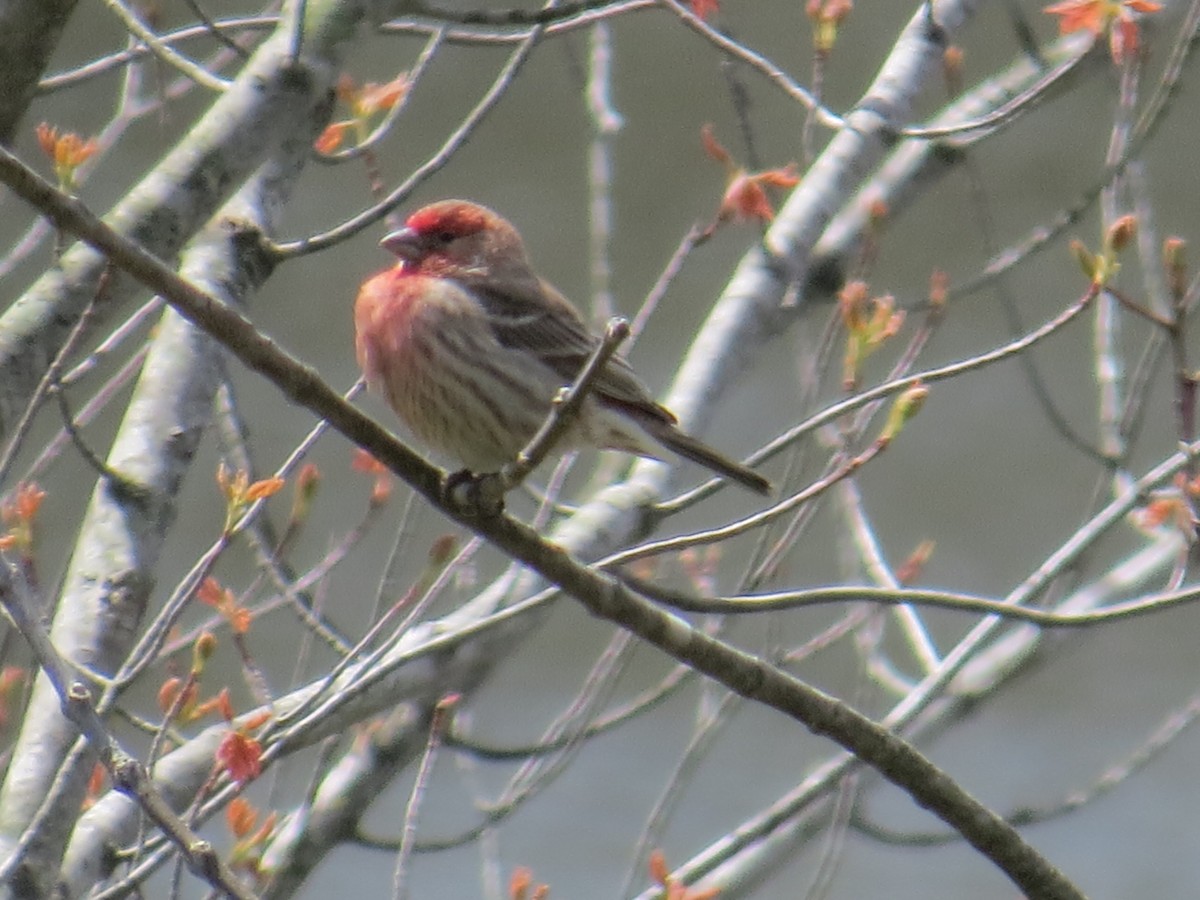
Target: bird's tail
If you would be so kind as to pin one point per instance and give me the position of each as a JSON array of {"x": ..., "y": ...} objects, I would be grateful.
[{"x": 700, "y": 453}]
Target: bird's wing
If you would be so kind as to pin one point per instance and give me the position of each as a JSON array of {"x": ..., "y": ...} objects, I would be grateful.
[{"x": 531, "y": 315}]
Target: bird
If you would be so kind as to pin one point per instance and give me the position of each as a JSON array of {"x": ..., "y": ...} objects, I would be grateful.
[{"x": 469, "y": 347}]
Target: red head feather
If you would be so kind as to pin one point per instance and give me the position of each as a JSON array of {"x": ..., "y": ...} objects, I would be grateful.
[{"x": 452, "y": 217}]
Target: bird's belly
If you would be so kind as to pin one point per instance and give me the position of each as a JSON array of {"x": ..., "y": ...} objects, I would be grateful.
[{"x": 480, "y": 408}]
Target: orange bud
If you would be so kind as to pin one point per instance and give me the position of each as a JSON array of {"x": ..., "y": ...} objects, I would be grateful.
[
  {"x": 910, "y": 570},
  {"x": 267, "y": 487},
  {"x": 519, "y": 883},
  {"x": 1080, "y": 15},
  {"x": 240, "y": 816},
  {"x": 332, "y": 137},
  {"x": 852, "y": 303},
  {"x": 826, "y": 16},
  {"x": 225, "y": 705},
  {"x": 67, "y": 150},
  {"x": 47, "y": 136},
  {"x": 1121, "y": 232},
  {"x": 658, "y": 868},
  {"x": 346, "y": 88},
  {"x": 952, "y": 67},
  {"x": 1167, "y": 509},
  {"x": 365, "y": 462},
  {"x": 168, "y": 692},
  {"x": 375, "y": 98},
  {"x": 260, "y": 837},
  {"x": 94, "y": 786},
  {"x": 257, "y": 720},
  {"x": 210, "y": 592},
  {"x": 714, "y": 148}
]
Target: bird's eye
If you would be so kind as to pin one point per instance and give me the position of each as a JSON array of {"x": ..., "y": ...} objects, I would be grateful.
[{"x": 446, "y": 237}]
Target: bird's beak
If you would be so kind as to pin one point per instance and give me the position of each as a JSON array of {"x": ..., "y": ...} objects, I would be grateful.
[{"x": 404, "y": 243}]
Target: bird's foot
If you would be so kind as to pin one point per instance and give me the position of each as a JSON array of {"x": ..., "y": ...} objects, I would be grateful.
[{"x": 475, "y": 496}]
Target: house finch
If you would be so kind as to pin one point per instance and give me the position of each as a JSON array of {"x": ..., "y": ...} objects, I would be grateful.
[{"x": 469, "y": 347}]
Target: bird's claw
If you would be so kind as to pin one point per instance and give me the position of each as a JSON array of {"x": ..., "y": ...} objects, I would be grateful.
[{"x": 476, "y": 496}]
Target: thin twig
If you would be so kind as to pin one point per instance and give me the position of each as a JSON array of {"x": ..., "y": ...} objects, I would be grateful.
[{"x": 566, "y": 407}]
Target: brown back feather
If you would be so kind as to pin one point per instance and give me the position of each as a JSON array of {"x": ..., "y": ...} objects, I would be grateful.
[{"x": 530, "y": 314}]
